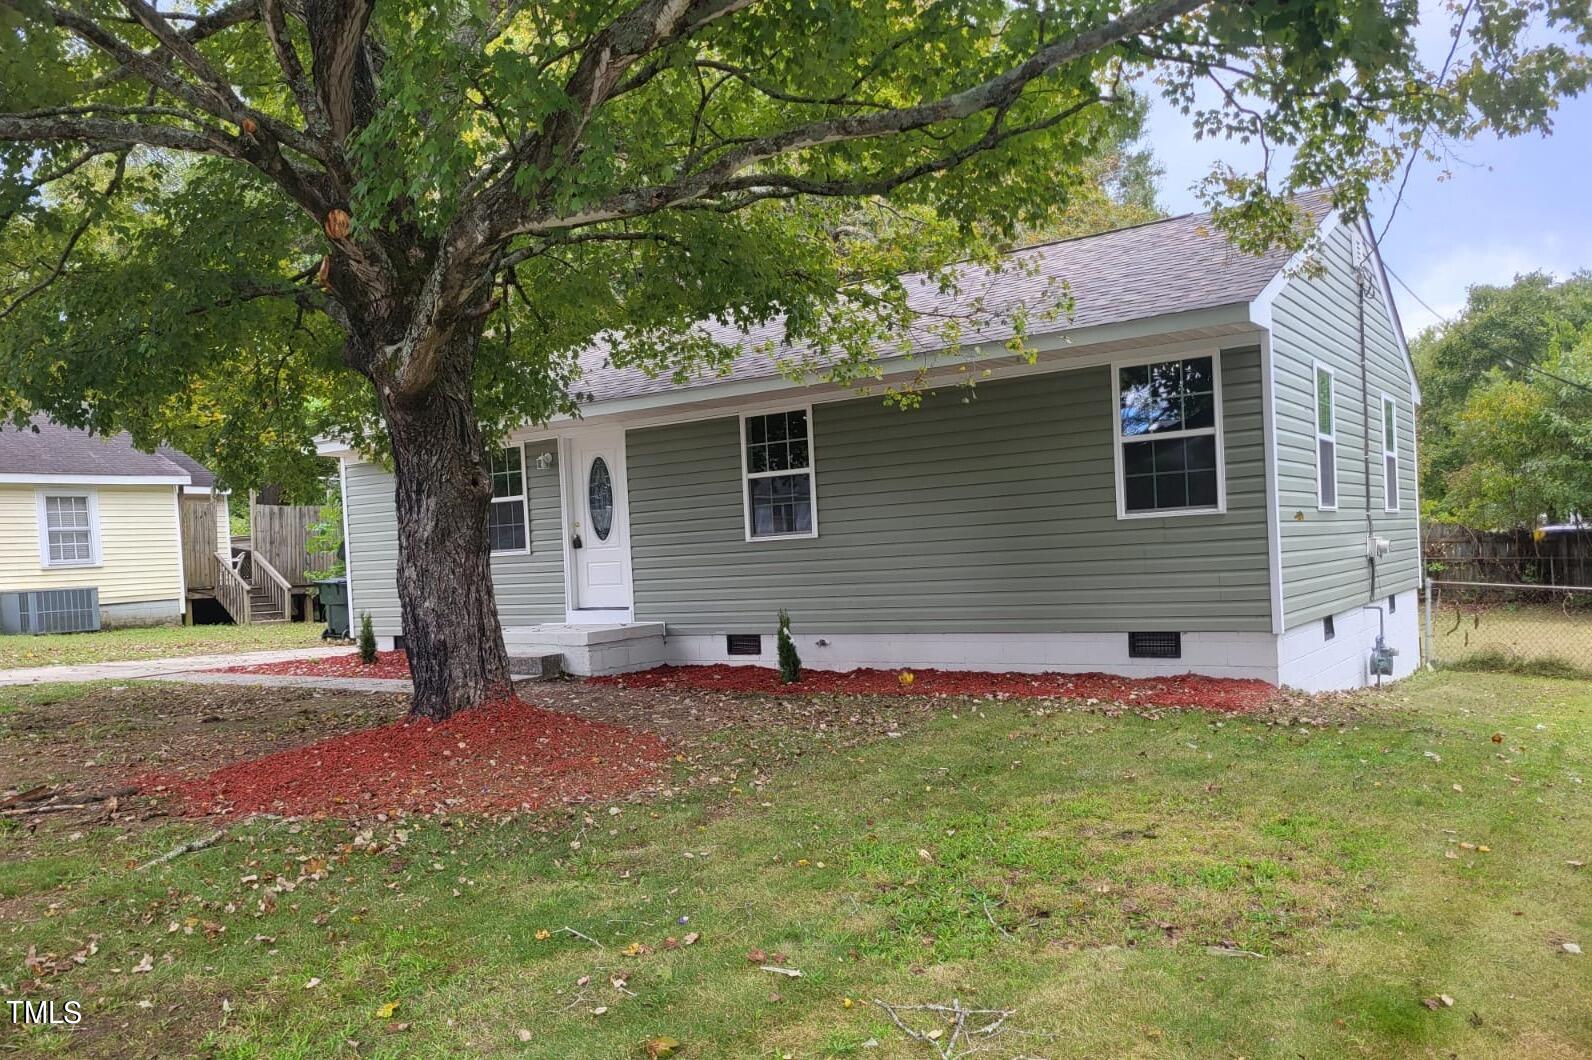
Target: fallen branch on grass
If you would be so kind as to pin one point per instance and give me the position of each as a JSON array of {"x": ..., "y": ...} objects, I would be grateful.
[
  {"x": 583, "y": 935},
  {"x": 189, "y": 847},
  {"x": 53, "y": 807},
  {"x": 961, "y": 1037},
  {"x": 37, "y": 800},
  {"x": 791, "y": 973},
  {"x": 35, "y": 794},
  {"x": 995, "y": 923}
]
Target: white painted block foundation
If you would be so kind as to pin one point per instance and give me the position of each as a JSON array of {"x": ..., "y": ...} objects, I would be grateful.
[
  {"x": 1301, "y": 658},
  {"x": 1218, "y": 654},
  {"x": 1310, "y": 662}
]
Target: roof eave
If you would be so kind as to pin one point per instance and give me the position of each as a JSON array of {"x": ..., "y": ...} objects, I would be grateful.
[
  {"x": 10, "y": 478},
  {"x": 1054, "y": 345}
]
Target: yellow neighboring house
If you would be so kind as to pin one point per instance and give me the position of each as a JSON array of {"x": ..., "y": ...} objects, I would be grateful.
[{"x": 91, "y": 514}]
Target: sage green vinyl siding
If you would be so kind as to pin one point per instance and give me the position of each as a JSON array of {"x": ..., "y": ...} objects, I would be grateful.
[
  {"x": 994, "y": 514},
  {"x": 529, "y": 588},
  {"x": 1324, "y": 565}
]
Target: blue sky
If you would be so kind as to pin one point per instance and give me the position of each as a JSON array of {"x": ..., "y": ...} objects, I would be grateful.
[{"x": 1507, "y": 207}]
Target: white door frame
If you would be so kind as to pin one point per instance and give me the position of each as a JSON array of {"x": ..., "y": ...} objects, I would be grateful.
[{"x": 572, "y": 507}]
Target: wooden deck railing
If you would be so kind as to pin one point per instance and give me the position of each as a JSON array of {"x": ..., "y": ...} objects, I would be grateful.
[
  {"x": 231, "y": 589},
  {"x": 267, "y": 578}
]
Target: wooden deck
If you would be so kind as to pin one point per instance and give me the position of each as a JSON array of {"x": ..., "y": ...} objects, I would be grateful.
[{"x": 259, "y": 578}]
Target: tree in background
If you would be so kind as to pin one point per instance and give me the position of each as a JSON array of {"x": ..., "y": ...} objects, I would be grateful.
[
  {"x": 1525, "y": 441},
  {"x": 1506, "y": 418},
  {"x": 420, "y": 215}
]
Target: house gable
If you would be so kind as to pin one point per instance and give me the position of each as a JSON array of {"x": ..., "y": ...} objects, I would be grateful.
[{"x": 1323, "y": 549}]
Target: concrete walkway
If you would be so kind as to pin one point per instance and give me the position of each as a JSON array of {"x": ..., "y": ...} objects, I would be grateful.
[
  {"x": 143, "y": 668},
  {"x": 336, "y": 684},
  {"x": 341, "y": 684}
]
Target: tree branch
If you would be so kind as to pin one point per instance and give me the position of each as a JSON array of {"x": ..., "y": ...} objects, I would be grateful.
[
  {"x": 524, "y": 254},
  {"x": 995, "y": 94},
  {"x": 202, "y": 27},
  {"x": 59, "y": 268},
  {"x": 115, "y": 134},
  {"x": 344, "y": 81}
]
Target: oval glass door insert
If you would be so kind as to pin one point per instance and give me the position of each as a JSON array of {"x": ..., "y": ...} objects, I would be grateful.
[{"x": 600, "y": 498}]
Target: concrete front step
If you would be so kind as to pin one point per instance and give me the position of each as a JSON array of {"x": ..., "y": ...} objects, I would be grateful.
[
  {"x": 535, "y": 667},
  {"x": 590, "y": 650}
]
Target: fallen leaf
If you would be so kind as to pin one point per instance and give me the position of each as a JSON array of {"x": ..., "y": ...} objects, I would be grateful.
[
  {"x": 523, "y": 1035},
  {"x": 756, "y": 956},
  {"x": 599, "y": 1010},
  {"x": 312, "y": 984},
  {"x": 690, "y": 940},
  {"x": 542, "y": 935},
  {"x": 661, "y": 1046},
  {"x": 145, "y": 965},
  {"x": 386, "y": 1011}
]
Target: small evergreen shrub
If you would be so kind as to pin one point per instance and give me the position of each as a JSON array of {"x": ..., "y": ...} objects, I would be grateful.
[
  {"x": 367, "y": 639},
  {"x": 790, "y": 664}
]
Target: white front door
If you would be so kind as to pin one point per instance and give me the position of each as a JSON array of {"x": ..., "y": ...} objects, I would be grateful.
[{"x": 599, "y": 531}]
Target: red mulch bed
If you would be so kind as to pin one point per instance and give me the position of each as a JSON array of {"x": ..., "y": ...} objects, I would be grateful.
[
  {"x": 1234, "y": 695},
  {"x": 388, "y": 664},
  {"x": 500, "y": 756}
]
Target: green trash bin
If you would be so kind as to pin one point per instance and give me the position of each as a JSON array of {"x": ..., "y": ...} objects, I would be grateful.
[{"x": 333, "y": 593}]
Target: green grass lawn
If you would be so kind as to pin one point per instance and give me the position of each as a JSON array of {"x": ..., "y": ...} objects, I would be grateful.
[
  {"x": 1514, "y": 636},
  {"x": 1176, "y": 885},
  {"x": 152, "y": 642}
]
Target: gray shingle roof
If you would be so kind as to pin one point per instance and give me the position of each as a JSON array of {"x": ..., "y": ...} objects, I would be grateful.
[
  {"x": 1174, "y": 265},
  {"x": 47, "y": 448},
  {"x": 202, "y": 476}
]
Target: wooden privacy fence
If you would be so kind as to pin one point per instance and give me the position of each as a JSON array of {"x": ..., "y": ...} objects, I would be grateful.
[
  {"x": 1518, "y": 557},
  {"x": 280, "y": 534},
  {"x": 199, "y": 542}
]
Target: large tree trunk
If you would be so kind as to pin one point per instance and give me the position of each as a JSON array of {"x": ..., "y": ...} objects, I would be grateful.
[{"x": 450, "y": 620}]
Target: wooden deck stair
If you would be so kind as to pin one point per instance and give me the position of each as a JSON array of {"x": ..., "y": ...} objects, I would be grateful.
[
  {"x": 250, "y": 588},
  {"x": 263, "y": 606}
]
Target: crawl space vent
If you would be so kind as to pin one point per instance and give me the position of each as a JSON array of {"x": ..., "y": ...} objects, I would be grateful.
[
  {"x": 743, "y": 643},
  {"x": 1155, "y": 645}
]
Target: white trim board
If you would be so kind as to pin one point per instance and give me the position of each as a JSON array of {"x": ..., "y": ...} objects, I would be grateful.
[
  {"x": 348, "y": 547},
  {"x": 29, "y": 478},
  {"x": 1268, "y": 420}
]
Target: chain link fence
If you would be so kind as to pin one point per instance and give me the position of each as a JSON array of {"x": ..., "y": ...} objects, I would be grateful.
[{"x": 1511, "y": 627}]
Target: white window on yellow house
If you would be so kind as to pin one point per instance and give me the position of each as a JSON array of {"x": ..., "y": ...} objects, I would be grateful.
[{"x": 68, "y": 530}]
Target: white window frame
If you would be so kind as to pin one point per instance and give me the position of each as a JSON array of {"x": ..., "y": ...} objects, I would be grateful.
[
  {"x": 93, "y": 529},
  {"x": 523, "y": 499},
  {"x": 1215, "y": 430},
  {"x": 811, "y": 471},
  {"x": 1392, "y": 496},
  {"x": 1316, "y": 368}
]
